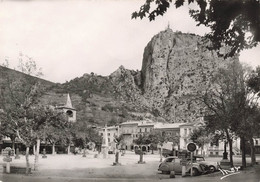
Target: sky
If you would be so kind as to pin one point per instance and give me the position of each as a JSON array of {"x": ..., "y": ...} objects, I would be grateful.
[{"x": 68, "y": 38}]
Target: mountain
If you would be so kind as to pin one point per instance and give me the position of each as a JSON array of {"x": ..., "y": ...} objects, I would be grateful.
[{"x": 176, "y": 67}]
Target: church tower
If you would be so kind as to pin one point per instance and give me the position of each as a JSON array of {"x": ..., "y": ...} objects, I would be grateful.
[{"x": 69, "y": 110}]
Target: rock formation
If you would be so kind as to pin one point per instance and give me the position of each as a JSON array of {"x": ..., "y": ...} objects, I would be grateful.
[{"x": 176, "y": 68}]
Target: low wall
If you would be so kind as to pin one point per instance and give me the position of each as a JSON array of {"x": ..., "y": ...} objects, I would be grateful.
[{"x": 17, "y": 170}]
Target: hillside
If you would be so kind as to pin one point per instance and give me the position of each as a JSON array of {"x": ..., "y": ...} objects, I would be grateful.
[
  {"x": 10, "y": 73},
  {"x": 176, "y": 67}
]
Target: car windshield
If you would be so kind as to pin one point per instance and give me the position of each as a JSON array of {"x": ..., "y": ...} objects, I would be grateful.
[{"x": 169, "y": 160}]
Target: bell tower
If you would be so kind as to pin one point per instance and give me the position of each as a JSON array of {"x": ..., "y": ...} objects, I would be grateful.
[{"x": 69, "y": 110}]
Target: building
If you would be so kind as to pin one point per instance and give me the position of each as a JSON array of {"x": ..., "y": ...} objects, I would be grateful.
[
  {"x": 145, "y": 126},
  {"x": 129, "y": 130},
  {"x": 68, "y": 110},
  {"x": 112, "y": 133}
]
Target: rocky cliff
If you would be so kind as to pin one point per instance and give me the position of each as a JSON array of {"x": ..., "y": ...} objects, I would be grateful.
[{"x": 176, "y": 68}]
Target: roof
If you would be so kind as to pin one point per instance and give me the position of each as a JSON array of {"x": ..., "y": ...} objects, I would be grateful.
[
  {"x": 140, "y": 123},
  {"x": 130, "y": 123},
  {"x": 146, "y": 123},
  {"x": 64, "y": 107},
  {"x": 192, "y": 124},
  {"x": 168, "y": 125}
]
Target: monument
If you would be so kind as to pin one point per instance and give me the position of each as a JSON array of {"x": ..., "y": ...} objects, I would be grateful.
[{"x": 104, "y": 147}]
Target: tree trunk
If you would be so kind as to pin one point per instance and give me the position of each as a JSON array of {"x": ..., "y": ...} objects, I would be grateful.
[
  {"x": 27, "y": 160},
  {"x": 13, "y": 143},
  {"x": 36, "y": 161},
  {"x": 69, "y": 149},
  {"x": 33, "y": 149},
  {"x": 161, "y": 154},
  {"x": 230, "y": 142},
  {"x": 117, "y": 157},
  {"x": 252, "y": 149},
  {"x": 84, "y": 152},
  {"x": 53, "y": 149},
  {"x": 243, "y": 149}
]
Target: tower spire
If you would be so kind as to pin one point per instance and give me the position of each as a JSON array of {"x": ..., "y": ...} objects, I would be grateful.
[
  {"x": 68, "y": 103},
  {"x": 168, "y": 27}
]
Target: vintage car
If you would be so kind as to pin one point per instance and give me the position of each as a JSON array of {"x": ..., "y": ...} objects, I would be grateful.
[
  {"x": 173, "y": 163},
  {"x": 213, "y": 166}
]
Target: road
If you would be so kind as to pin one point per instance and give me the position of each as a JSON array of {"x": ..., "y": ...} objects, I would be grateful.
[{"x": 62, "y": 168}]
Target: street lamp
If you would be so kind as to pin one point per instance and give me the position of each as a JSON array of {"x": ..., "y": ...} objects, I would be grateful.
[{"x": 225, "y": 154}]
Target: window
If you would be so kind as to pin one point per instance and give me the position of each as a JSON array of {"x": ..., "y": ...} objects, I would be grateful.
[
  {"x": 256, "y": 142},
  {"x": 163, "y": 133},
  {"x": 108, "y": 134},
  {"x": 185, "y": 131},
  {"x": 169, "y": 160},
  {"x": 140, "y": 130},
  {"x": 69, "y": 113},
  {"x": 145, "y": 129},
  {"x": 108, "y": 139}
]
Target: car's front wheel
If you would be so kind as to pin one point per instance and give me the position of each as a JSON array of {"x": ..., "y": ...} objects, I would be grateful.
[{"x": 212, "y": 169}]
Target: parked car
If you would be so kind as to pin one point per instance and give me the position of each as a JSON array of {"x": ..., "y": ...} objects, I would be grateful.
[
  {"x": 212, "y": 166},
  {"x": 173, "y": 163}
]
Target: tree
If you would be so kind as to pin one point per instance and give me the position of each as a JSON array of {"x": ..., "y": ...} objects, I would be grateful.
[
  {"x": 82, "y": 134},
  {"x": 28, "y": 66},
  {"x": 155, "y": 138},
  {"x": 201, "y": 136},
  {"x": 6, "y": 129},
  {"x": 235, "y": 23},
  {"x": 249, "y": 127},
  {"x": 24, "y": 122},
  {"x": 141, "y": 140},
  {"x": 23, "y": 114},
  {"x": 119, "y": 140},
  {"x": 56, "y": 127},
  {"x": 230, "y": 104},
  {"x": 220, "y": 102},
  {"x": 175, "y": 139}
]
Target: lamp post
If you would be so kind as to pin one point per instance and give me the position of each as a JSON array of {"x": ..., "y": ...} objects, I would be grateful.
[
  {"x": 225, "y": 154},
  {"x": 225, "y": 162}
]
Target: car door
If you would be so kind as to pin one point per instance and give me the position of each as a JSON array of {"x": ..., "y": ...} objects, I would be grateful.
[
  {"x": 177, "y": 165},
  {"x": 170, "y": 164},
  {"x": 167, "y": 165}
]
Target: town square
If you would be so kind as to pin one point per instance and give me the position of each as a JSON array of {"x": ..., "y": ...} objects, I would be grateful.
[{"x": 129, "y": 90}]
